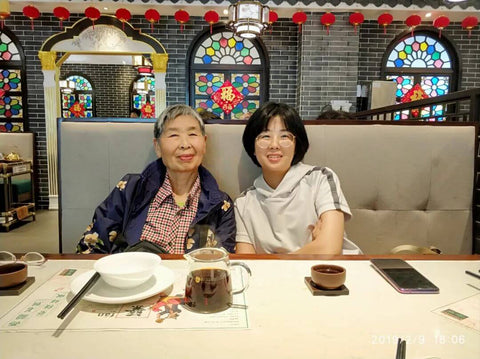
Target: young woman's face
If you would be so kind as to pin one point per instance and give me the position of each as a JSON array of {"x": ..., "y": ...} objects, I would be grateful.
[
  {"x": 275, "y": 147},
  {"x": 181, "y": 144}
]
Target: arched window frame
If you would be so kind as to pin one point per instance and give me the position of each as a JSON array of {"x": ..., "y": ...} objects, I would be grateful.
[
  {"x": 15, "y": 124},
  {"x": 150, "y": 95},
  {"x": 227, "y": 70},
  {"x": 417, "y": 73},
  {"x": 77, "y": 93}
]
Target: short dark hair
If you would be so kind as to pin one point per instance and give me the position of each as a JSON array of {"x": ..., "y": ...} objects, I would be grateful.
[
  {"x": 258, "y": 122},
  {"x": 335, "y": 115}
]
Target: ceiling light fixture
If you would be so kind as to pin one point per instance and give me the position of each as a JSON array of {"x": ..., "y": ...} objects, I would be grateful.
[{"x": 248, "y": 19}]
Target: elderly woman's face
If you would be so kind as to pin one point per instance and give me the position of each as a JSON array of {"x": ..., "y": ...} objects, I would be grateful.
[{"x": 181, "y": 144}]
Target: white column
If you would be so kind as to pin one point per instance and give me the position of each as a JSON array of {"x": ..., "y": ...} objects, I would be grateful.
[
  {"x": 160, "y": 93},
  {"x": 50, "y": 93}
]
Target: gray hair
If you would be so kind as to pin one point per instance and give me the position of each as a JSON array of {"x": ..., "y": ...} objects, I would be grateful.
[{"x": 171, "y": 113}]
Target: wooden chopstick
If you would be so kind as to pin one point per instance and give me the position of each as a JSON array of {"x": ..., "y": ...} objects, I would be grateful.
[{"x": 79, "y": 295}]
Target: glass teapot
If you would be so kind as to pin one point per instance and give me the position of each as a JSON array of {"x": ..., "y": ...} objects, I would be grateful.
[{"x": 209, "y": 281}]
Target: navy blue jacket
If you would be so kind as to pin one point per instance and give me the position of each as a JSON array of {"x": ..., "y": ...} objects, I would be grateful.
[{"x": 121, "y": 216}]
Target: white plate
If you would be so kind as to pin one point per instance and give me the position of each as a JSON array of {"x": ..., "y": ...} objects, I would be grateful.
[{"x": 101, "y": 292}]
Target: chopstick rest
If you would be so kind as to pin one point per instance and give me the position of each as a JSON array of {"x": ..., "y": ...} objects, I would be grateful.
[{"x": 79, "y": 295}]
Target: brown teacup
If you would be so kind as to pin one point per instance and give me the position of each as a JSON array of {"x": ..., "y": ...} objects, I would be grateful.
[
  {"x": 12, "y": 274},
  {"x": 328, "y": 276}
]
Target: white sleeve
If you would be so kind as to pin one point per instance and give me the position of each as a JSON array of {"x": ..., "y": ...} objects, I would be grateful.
[
  {"x": 242, "y": 234},
  {"x": 329, "y": 194}
]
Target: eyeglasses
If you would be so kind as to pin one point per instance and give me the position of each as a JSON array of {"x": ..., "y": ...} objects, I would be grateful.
[
  {"x": 30, "y": 258},
  {"x": 285, "y": 139}
]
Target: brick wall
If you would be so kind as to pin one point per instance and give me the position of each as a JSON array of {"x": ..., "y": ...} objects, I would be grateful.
[
  {"x": 327, "y": 65},
  {"x": 307, "y": 70},
  {"x": 111, "y": 83}
]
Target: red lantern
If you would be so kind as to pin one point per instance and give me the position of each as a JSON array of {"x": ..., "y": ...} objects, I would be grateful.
[
  {"x": 469, "y": 23},
  {"x": 441, "y": 23},
  {"x": 212, "y": 18},
  {"x": 413, "y": 21},
  {"x": 385, "y": 20},
  {"x": 61, "y": 14},
  {"x": 299, "y": 18},
  {"x": 93, "y": 14},
  {"x": 356, "y": 19},
  {"x": 123, "y": 15},
  {"x": 327, "y": 20},
  {"x": 272, "y": 17},
  {"x": 182, "y": 17},
  {"x": 31, "y": 12},
  {"x": 152, "y": 16}
]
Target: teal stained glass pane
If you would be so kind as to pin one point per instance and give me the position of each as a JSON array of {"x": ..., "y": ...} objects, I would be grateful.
[
  {"x": 224, "y": 48},
  {"x": 419, "y": 51}
]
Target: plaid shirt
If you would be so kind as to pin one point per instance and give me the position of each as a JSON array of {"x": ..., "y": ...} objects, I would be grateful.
[{"x": 167, "y": 224}]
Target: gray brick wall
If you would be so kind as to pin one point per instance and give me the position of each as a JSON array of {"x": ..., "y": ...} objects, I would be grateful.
[
  {"x": 307, "y": 70},
  {"x": 112, "y": 86},
  {"x": 327, "y": 65}
]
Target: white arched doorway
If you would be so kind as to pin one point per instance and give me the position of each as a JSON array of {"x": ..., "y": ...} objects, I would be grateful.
[{"x": 109, "y": 41}]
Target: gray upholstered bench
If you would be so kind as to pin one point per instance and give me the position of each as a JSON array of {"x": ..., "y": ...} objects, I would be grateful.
[{"x": 405, "y": 183}]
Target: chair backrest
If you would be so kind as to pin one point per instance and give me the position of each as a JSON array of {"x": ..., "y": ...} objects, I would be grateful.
[{"x": 405, "y": 184}]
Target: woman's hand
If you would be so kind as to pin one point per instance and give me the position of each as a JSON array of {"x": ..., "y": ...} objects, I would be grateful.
[
  {"x": 327, "y": 234},
  {"x": 245, "y": 248}
]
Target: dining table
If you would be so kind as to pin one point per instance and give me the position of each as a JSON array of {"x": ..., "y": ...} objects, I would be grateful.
[{"x": 278, "y": 316}]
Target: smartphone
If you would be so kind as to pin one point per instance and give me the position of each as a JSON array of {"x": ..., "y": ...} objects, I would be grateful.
[{"x": 403, "y": 277}]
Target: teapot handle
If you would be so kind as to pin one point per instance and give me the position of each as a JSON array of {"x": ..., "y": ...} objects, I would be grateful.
[{"x": 242, "y": 267}]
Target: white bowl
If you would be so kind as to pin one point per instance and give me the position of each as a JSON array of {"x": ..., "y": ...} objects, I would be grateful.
[{"x": 127, "y": 270}]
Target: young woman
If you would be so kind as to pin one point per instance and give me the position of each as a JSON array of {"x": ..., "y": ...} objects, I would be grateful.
[
  {"x": 292, "y": 207},
  {"x": 175, "y": 203}
]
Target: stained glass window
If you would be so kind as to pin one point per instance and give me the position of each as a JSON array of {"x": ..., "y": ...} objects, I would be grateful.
[
  {"x": 223, "y": 59},
  {"x": 12, "y": 111},
  {"x": 423, "y": 59},
  {"x": 78, "y": 103},
  {"x": 143, "y": 94}
]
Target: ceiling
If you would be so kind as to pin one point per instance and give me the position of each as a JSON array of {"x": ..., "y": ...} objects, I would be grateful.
[{"x": 371, "y": 9}]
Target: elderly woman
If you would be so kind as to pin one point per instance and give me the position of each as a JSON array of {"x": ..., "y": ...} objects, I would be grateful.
[
  {"x": 174, "y": 205},
  {"x": 291, "y": 207}
]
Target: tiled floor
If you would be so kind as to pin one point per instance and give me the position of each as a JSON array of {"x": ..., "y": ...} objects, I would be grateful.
[{"x": 40, "y": 235}]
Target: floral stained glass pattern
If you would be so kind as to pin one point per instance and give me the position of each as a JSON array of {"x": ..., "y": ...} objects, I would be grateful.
[
  {"x": 247, "y": 84},
  {"x": 8, "y": 50},
  {"x": 244, "y": 109},
  {"x": 227, "y": 49},
  {"x": 11, "y": 100},
  {"x": 404, "y": 84},
  {"x": 419, "y": 51},
  {"x": 435, "y": 85},
  {"x": 210, "y": 105},
  {"x": 10, "y": 80},
  {"x": 11, "y": 127},
  {"x": 208, "y": 83},
  {"x": 11, "y": 107}
]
